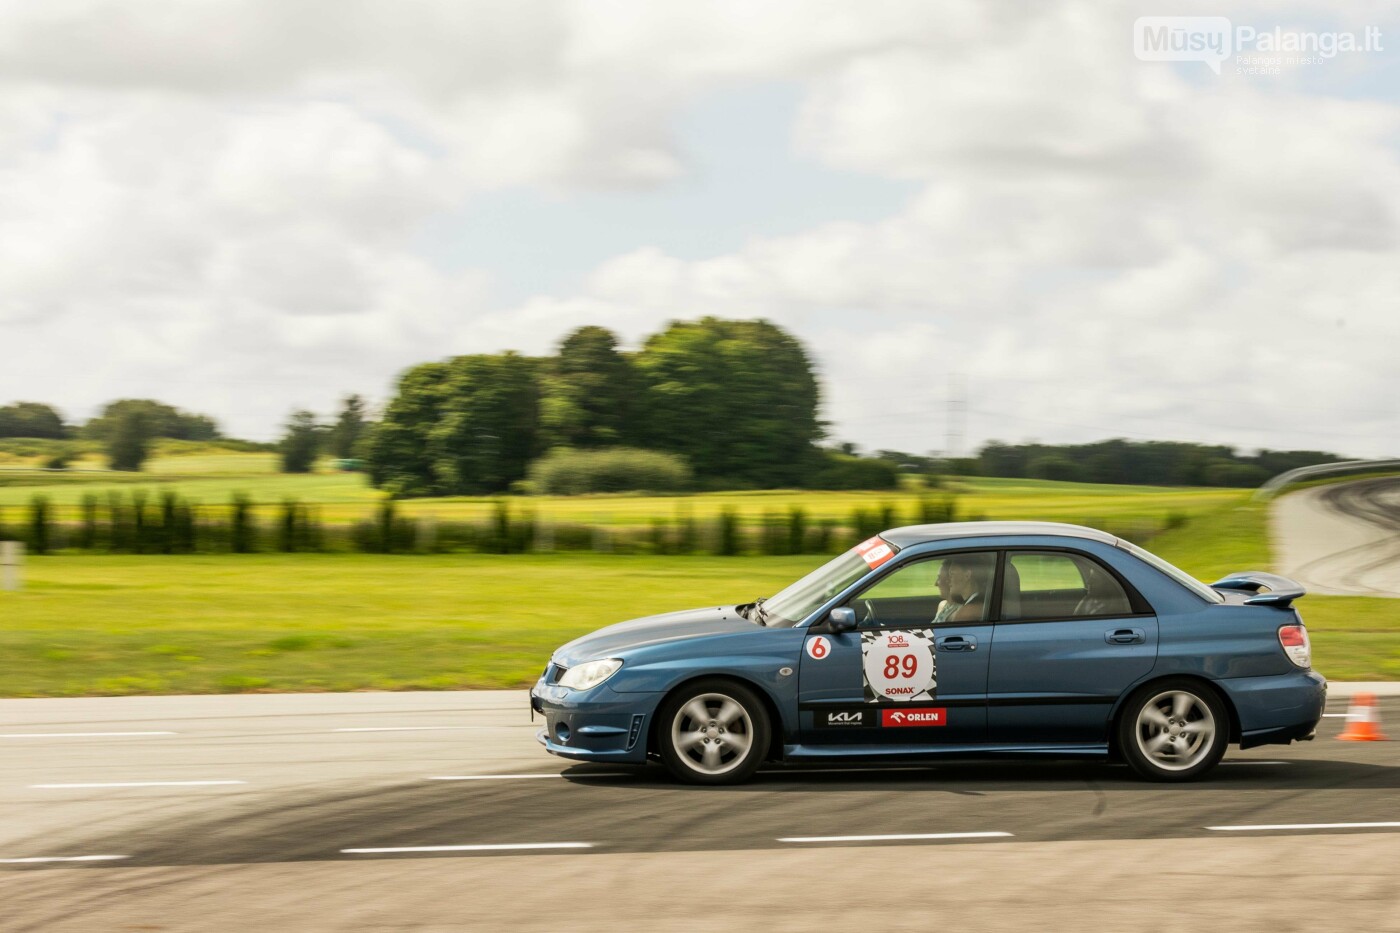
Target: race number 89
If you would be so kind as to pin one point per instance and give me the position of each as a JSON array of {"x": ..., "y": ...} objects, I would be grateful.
[{"x": 901, "y": 666}]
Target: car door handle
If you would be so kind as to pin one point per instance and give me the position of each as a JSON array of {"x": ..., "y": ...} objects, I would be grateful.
[
  {"x": 956, "y": 643},
  {"x": 1125, "y": 636}
]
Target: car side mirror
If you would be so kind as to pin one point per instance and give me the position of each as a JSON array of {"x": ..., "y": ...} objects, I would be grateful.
[{"x": 842, "y": 619}]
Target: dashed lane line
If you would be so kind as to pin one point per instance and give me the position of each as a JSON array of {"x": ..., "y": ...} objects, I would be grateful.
[
  {"x": 74, "y": 735},
  {"x": 1267, "y": 827},
  {"x": 400, "y": 728},
  {"x": 899, "y": 837},
  {"x": 498, "y": 847},
  {"x": 61, "y": 858},
  {"x": 521, "y": 777},
  {"x": 135, "y": 784}
]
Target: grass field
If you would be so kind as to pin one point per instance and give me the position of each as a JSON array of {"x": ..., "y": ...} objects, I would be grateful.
[
  {"x": 228, "y": 623},
  {"x": 200, "y": 624},
  {"x": 213, "y": 479}
]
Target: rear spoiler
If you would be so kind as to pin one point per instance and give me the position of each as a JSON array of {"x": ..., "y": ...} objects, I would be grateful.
[{"x": 1281, "y": 590}]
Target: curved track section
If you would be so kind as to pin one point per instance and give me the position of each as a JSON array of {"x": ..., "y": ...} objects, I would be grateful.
[{"x": 1342, "y": 539}]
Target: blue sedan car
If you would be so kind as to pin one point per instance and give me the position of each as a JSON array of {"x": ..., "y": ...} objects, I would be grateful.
[{"x": 1020, "y": 638}]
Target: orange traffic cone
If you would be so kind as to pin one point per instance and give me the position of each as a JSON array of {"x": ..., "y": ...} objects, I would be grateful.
[{"x": 1363, "y": 720}]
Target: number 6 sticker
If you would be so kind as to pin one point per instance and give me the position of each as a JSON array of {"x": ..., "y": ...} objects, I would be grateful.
[{"x": 818, "y": 647}]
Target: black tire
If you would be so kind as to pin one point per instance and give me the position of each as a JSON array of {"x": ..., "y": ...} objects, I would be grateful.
[
  {"x": 712, "y": 756},
  {"x": 1177, "y": 748}
]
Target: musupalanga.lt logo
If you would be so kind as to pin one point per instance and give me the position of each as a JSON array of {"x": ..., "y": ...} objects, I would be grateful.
[{"x": 1214, "y": 39}]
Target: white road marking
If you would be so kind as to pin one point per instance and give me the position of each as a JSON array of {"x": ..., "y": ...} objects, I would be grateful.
[
  {"x": 73, "y": 735},
  {"x": 61, "y": 858},
  {"x": 141, "y": 784},
  {"x": 504, "y": 847},
  {"x": 1266, "y": 827},
  {"x": 519, "y": 777},
  {"x": 1335, "y": 715},
  {"x": 894, "y": 838},
  {"x": 398, "y": 728}
]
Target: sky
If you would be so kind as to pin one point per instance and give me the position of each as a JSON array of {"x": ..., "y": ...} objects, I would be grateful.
[{"x": 242, "y": 207}]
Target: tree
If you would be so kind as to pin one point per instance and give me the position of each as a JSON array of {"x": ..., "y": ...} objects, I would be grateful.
[
  {"x": 128, "y": 440},
  {"x": 586, "y": 392},
  {"x": 162, "y": 421},
  {"x": 349, "y": 427},
  {"x": 462, "y": 427},
  {"x": 301, "y": 443},
  {"x": 737, "y": 399},
  {"x": 31, "y": 419}
]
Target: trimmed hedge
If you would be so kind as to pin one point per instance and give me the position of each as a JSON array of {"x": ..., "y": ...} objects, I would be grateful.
[{"x": 565, "y": 471}]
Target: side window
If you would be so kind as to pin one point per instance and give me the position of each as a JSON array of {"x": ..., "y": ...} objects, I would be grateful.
[
  {"x": 956, "y": 588},
  {"x": 1056, "y": 585}
]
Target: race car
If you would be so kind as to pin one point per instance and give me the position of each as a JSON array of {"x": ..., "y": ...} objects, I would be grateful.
[{"x": 1027, "y": 639}]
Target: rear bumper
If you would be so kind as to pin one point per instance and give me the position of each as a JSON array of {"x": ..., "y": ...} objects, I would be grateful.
[
  {"x": 1279, "y": 709},
  {"x": 593, "y": 725}
]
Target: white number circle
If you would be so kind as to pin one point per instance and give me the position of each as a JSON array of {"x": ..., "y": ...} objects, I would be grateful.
[
  {"x": 818, "y": 647},
  {"x": 898, "y": 668}
]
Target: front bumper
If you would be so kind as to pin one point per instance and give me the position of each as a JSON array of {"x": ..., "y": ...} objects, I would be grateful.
[{"x": 593, "y": 725}]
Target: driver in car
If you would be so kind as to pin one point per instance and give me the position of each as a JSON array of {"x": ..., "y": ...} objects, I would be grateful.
[
  {"x": 969, "y": 582},
  {"x": 947, "y": 605}
]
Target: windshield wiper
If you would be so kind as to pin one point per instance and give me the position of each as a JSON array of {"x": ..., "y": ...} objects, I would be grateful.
[{"x": 762, "y": 613}]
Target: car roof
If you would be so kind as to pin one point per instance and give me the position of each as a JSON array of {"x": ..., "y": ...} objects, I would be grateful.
[{"x": 911, "y": 535}]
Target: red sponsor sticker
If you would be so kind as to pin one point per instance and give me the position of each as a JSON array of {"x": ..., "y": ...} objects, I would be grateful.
[
  {"x": 924, "y": 716},
  {"x": 875, "y": 551}
]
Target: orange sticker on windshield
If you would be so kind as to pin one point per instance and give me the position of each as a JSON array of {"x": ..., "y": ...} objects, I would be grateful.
[{"x": 875, "y": 551}]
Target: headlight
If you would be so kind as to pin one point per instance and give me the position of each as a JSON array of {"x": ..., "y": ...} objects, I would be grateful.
[{"x": 590, "y": 674}]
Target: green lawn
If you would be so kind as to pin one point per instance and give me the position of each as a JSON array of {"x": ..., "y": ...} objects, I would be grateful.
[
  {"x": 117, "y": 625},
  {"x": 213, "y": 479},
  {"x": 149, "y": 624}
]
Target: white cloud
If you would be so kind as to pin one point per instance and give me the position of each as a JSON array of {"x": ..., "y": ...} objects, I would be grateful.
[{"x": 221, "y": 202}]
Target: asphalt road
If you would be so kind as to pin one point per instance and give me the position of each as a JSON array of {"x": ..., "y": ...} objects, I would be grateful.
[
  {"x": 212, "y": 810},
  {"x": 1342, "y": 539}
]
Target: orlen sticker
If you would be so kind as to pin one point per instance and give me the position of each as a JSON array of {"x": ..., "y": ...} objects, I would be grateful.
[
  {"x": 899, "y": 666},
  {"x": 922, "y": 716},
  {"x": 818, "y": 647},
  {"x": 875, "y": 551}
]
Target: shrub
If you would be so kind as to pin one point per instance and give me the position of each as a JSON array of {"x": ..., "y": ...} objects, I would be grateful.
[
  {"x": 797, "y": 530},
  {"x": 727, "y": 534},
  {"x": 242, "y": 534},
  {"x": 936, "y": 511},
  {"x": 775, "y": 540},
  {"x": 568, "y": 472},
  {"x": 39, "y": 526},
  {"x": 843, "y": 471}
]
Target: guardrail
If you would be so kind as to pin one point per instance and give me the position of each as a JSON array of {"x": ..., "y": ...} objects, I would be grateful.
[{"x": 1272, "y": 487}]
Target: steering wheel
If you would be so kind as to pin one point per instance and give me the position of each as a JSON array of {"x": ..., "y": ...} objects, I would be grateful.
[{"x": 865, "y": 610}]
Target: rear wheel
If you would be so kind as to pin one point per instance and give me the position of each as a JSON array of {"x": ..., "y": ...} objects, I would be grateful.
[
  {"x": 1173, "y": 730},
  {"x": 713, "y": 732}
]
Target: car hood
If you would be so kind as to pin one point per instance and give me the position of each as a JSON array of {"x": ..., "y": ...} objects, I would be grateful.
[{"x": 672, "y": 626}]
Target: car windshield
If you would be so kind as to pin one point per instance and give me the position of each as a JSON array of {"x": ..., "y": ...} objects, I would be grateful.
[
  {"x": 802, "y": 598},
  {"x": 1177, "y": 574}
]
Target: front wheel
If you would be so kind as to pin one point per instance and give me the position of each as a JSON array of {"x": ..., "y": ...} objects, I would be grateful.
[
  {"x": 1174, "y": 730},
  {"x": 713, "y": 732}
]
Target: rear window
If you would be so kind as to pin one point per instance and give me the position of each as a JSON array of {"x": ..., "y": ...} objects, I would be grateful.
[{"x": 1176, "y": 573}]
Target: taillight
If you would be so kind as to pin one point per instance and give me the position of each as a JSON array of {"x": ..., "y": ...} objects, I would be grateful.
[{"x": 1294, "y": 639}]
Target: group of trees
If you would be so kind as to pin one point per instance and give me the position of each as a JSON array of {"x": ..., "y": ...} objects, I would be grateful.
[
  {"x": 1152, "y": 463},
  {"x": 31, "y": 419},
  {"x": 124, "y": 428},
  {"x": 736, "y": 400},
  {"x": 710, "y": 403},
  {"x": 305, "y": 438},
  {"x": 37, "y": 420}
]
